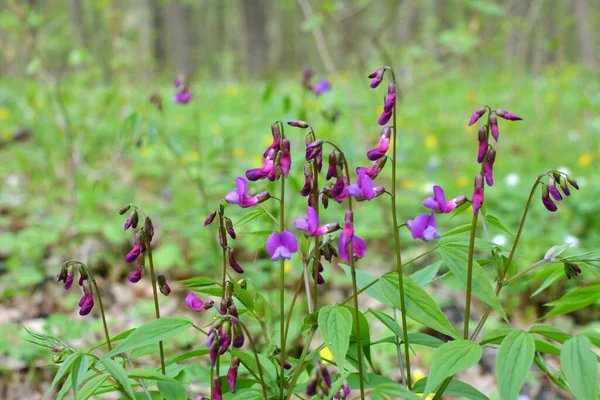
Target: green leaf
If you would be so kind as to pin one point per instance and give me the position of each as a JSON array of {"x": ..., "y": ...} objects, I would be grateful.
[
  {"x": 247, "y": 358},
  {"x": 513, "y": 362},
  {"x": 490, "y": 219},
  {"x": 579, "y": 365},
  {"x": 455, "y": 388},
  {"x": 249, "y": 217},
  {"x": 365, "y": 335},
  {"x": 554, "y": 277},
  {"x": 363, "y": 279},
  {"x": 248, "y": 394},
  {"x": 80, "y": 367},
  {"x": 457, "y": 230},
  {"x": 449, "y": 359},
  {"x": 335, "y": 324},
  {"x": 149, "y": 373},
  {"x": 550, "y": 332},
  {"x": 578, "y": 298},
  {"x": 496, "y": 336},
  {"x": 396, "y": 391},
  {"x": 457, "y": 260},
  {"x": 152, "y": 332},
  {"x": 200, "y": 282},
  {"x": 65, "y": 368},
  {"x": 116, "y": 338},
  {"x": 543, "y": 346},
  {"x": 172, "y": 390},
  {"x": 424, "y": 276},
  {"x": 242, "y": 295},
  {"x": 116, "y": 371},
  {"x": 419, "y": 305},
  {"x": 91, "y": 386},
  {"x": 190, "y": 354},
  {"x": 387, "y": 321}
]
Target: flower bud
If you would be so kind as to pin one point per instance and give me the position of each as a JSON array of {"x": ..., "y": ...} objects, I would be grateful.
[
  {"x": 225, "y": 336},
  {"x": 483, "y": 144},
  {"x": 286, "y": 158},
  {"x": 478, "y": 194},
  {"x": 132, "y": 220},
  {"x": 210, "y": 218},
  {"x": 222, "y": 238},
  {"x": 232, "y": 373},
  {"x": 507, "y": 115},
  {"x": 214, "y": 351},
  {"x": 263, "y": 196},
  {"x": 494, "y": 126},
  {"x": 82, "y": 276},
  {"x": 488, "y": 165},
  {"x": 216, "y": 389},
  {"x": 135, "y": 276},
  {"x": 229, "y": 228},
  {"x": 307, "y": 188},
  {"x": 298, "y": 124},
  {"x": 234, "y": 264},
  {"x": 62, "y": 273},
  {"x": 564, "y": 187},
  {"x": 572, "y": 270},
  {"x": 573, "y": 182},
  {"x": 548, "y": 203},
  {"x": 124, "y": 209},
  {"x": 476, "y": 115},
  {"x": 377, "y": 77},
  {"x": 69, "y": 278},
  {"x": 163, "y": 286},
  {"x": 552, "y": 189},
  {"x": 313, "y": 149},
  {"x": 332, "y": 169},
  {"x": 134, "y": 253},
  {"x": 238, "y": 336}
]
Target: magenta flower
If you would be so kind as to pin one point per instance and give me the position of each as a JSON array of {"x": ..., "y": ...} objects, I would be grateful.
[
  {"x": 286, "y": 159},
  {"x": 438, "y": 202},
  {"x": 374, "y": 170},
  {"x": 423, "y": 227},
  {"x": 382, "y": 147},
  {"x": 281, "y": 245},
  {"x": 552, "y": 189},
  {"x": 232, "y": 373},
  {"x": 359, "y": 248},
  {"x": 183, "y": 96},
  {"x": 322, "y": 87},
  {"x": 507, "y": 115},
  {"x": 548, "y": 203},
  {"x": 196, "y": 304},
  {"x": 488, "y": 166},
  {"x": 310, "y": 225},
  {"x": 478, "y": 194},
  {"x": 313, "y": 149},
  {"x": 69, "y": 279},
  {"x": 266, "y": 169},
  {"x": 332, "y": 168},
  {"x": 276, "y": 140},
  {"x": 136, "y": 275},
  {"x": 216, "y": 389},
  {"x": 86, "y": 304},
  {"x": 494, "y": 126},
  {"x": 377, "y": 77},
  {"x": 234, "y": 264},
  {"x": 307, "y": 188},
  {"x": 338, "y": 191},
  {"x": 241, "y": 197},
  {"x": 476, "y": 115},
  {"x": 139, "y": 247},
  {"x": 388, "y": 107},
  {"x": 363, "y": 189},
  {"x": 483, "y": 144}
]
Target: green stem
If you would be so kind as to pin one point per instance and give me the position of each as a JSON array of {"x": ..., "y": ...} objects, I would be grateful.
[
  {"x": 317, "y": 251},
  {"x": 470, "y": 274},
  {"x": 155, "y": 294},
  {"x": 108, "y": 343},
  {"x": 300, "y": 363},
  {"x": 523, "y": 272},
  {"x": 282, "y": 292}
]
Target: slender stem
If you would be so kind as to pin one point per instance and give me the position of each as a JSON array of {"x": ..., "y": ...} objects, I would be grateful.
[
  {"x": 155, "y": 294},
  {"x": 224, "y": 270},
  {"x": 300, "y": 364},
  {"x": 282, "y": 292},
  {"x": 470, "y": 274},
  {"x": 397, "y": 243},
  {"x": 290, "y": 312},
  {"x": 523, "y": 272},
  {"x": 108, "y": 343},
  {"x": 317, "y": 251},
  {"x": 269, "y": 214},
  {"x": 307, "y": 285},
  {"x": 212, "y": 378},
  {"x": 399, "y": 349}
]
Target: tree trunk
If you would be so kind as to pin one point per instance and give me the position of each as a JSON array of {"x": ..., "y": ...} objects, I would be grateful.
[
  {"x": 180, "y": 16},
  {"x": 586, "y": 43},
  {"x": 257, "y": 45},
  {"x": 158, "y": 33}
]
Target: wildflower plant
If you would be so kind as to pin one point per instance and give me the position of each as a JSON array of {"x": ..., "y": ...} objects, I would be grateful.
[{"x": 237, "y": 335}]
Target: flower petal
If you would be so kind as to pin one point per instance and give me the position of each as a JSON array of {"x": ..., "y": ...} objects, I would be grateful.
[
  {"x": 289, "y": 240},
  {"x": 313, "y": 219},
  {"x": 273, "y": 242},
  {"x": 301, "y": 224}
]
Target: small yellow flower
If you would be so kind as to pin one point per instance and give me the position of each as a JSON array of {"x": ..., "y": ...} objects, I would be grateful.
[
  {"x": 407, "y": 183},
  {"x": 287, "y": 267},
  {"x": 431, "y": 142},
  {"x": 232, "y": 91},
  {"x": 470, "y": 209},
  {"x": 417, "y": 375},
  {"x": 585, "y": 159},
  {"x": 462, "y": 182},
  {"x": 239, "y": 152},
  {"x": 4, "y": 114},
  {"x": 146, "y": 150},
  {"x": 325, "y": 354}
]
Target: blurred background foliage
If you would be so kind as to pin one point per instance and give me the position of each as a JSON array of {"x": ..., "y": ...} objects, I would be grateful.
[{"x": 79, "y": 137}]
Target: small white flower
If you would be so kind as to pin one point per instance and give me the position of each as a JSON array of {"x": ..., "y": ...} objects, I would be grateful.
[
  {"x": 500, "y": 240},
  {"x": 572, "y": 240},
  {"x": 512, "y": 179},
  {"x": 427, "y": 188}
]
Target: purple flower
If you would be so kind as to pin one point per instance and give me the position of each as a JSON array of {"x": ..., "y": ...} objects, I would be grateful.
[
  {"x": 216, "y": 389},
  {"x": 483, "y": 144},
  {"x": 307, "y": 188},
  {"x": 196, "y": 304},
  {"x": 488, "y": 165},
  {"x": 229, "y": 228},
  {"x": 234, "y": 264},
  {"x": 338, "y": 191},
  {"x": 138, "y": 248},
  {"x": 238, "y": 336},
  {"x": 286, "y": 158},
  {"x": 476, "y": 115},
  {"x": 507, "y": 115},
  {"x": 266, "y": 169},
  {"x": 478, "y": 194},
  {"x": 322, "y": 87},
  {"x": 281, "y": 245},
  {"x": 551, "y": 188},
  {"x": 438, "y": 202},
  {"x": 548, "y": 203},
  {"x": 183, "y": 96},
  {"x": 313, "y": 149},
  {"x": 374, "y": 170},
  {"x": 388, "y": 106},
  {"x": 86, "y": 304},
  {"x": 377, "y": 77},
  {"x": 241, "y": 197},
  {"x": 320, "y": 279},
  {"x": 359, "y": 247},
  {"x": 136, "y": 275},
  {"x": 382, "y": 147},
  {"x": 210, "y": 218},
  {"x": 423, "y": 227},
  {"x": 494, "y": 126},
  {"x": 384, "y": 118},
  {"x": 363, "y": 189},
  {"x": 69, "y": 278},
  {"x": 332, "y": 169},
  {"x": 310, "y": 225},
  {"x": 132, "y": 221},
  {"x": 232, "y": 373}
]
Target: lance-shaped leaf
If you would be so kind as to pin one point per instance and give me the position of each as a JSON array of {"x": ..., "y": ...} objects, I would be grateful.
[
  {"x": 512, "y": 365},
  {"x": 449, "y": 359},
  {"x": 579, "y": 365},
  {"x": 335, "y": 324}
]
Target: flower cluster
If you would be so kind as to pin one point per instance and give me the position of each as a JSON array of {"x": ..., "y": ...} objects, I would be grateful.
[
  {"x": 550, "y": 190},
  {"x": 141, "y": 239},
  {"x": 277, "y": 159},
  {"x": 67, "y": 276},
  {"x": 486, "y": 154},
  {"x": 321, "y": 87}
]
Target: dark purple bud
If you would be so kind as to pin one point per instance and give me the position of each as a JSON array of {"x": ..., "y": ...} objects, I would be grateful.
[
  {"x": 346, "y": 388},
  {"x": 214, "y": 351},
  {"x": 233, "y": 311},
  {"x": 62, "y": 273},
  {"x": 324, "y": 200},
  {"x": 553, "y": 189},
  {"x": 377, "y": 77},
  {"x": 507, "y": 115},
  {"x": 564, "y": 186},
  {"x": 69, "y": 278},
  {"x": 476, "y": 115},
  {"x": 298, "y": 124},
  {"x": 124, "y": 209},
  {"x": 483, "y": 144},
  {"x": 234, "y": 264},
  {"x": 86, "y": 304},
  {"x": 163, "y": 286},
  {"x": 285, "y": 159},
  {"x": 229, "y": 228},
  {"x": 332, "y": 169},
  {"x": 488, "y": 166},
  {"x": 548, "y": 203},
  {"x": 275, "y": 173},
  {"x": 238, "y": 336},
  {"x": 222, "y": 238},
  {"x": 225, "y": 337},
  {"x": 210, "y": 218},
  {"x": 311, "y": 387},
  {"x": 385, "y": 117},
  {"x": 478, "y": 194},
  {"x": 313, "y": 149},
  {"x": 216, "y": 389},
  {"x": 134, "y": 253},
  {"x": 572, "y": 270},
  {"x": 135, "y": 276},
  {"x": 494, "y": 126},
  {"x": 149, "y": 228},
  {"x": 132, "y": 221},
  {"x": 319, "y": 160},
  {"x": 82, "y": 276},
  {"x": 232, "y": 373},
  {"x": 573, "y": 182},
  {"x": 307, "y": 188}
]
